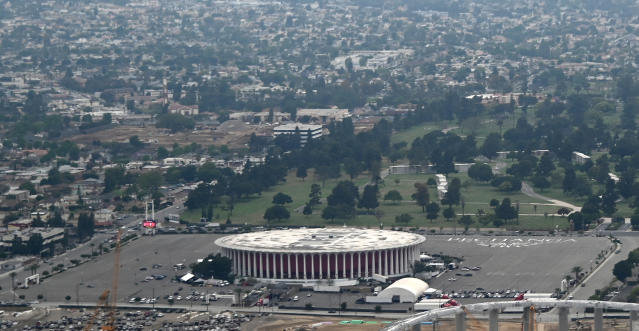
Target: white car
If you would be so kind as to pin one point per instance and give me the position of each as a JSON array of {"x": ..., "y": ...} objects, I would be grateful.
[{"x": 296, "y": 298}]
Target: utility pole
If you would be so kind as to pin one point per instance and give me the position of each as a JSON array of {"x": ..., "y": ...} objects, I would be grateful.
[{"x": 77, "y": 295}]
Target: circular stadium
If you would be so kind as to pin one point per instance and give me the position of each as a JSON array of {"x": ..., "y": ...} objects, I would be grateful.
[{"x": 325, "y": 253}]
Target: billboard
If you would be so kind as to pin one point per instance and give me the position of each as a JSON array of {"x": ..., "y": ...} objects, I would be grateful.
[{"x": 149, "y": 224}]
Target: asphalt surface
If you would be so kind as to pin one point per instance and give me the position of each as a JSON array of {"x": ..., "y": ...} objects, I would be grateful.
[
  {"x": 137, "y": 259},
  {"x": 603, "y": 276},
  {"x": 533, "y": 263}
]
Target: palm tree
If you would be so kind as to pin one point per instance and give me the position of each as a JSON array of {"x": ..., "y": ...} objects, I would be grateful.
[{"x": 576, "y": 269}]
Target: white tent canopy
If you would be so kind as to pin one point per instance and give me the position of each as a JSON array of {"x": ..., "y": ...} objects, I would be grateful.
[{"x": 406, "y": 289}]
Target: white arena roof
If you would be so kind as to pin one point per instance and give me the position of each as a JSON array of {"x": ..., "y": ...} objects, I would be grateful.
[{"x": 320, "y": 240}]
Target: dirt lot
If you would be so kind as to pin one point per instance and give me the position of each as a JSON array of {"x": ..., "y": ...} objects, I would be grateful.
[
  {"x": 234, "y": 136},
  {"x": 294, "y": 323}
]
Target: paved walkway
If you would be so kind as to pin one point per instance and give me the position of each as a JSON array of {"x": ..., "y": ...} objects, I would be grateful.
[{"x": 528, "y": 190}]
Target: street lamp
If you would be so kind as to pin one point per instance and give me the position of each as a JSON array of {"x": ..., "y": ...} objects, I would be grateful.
[{"x": 77, "y": 295}]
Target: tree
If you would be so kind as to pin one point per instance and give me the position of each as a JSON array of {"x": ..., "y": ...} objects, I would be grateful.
[
  {"x": 466, "y": 221},
  {"x": 609, "y": 198},
  {"x": 113, "y": 178},
  {"x": 86, "y": 225},
  {"x": 330, "y": 213},
  {"x": 394, "y": 196},
  {"x": 369, "y": 198},
  {"x": 491, "y": 145},
  {"x": 421, "y": 196},
  {"x": 200, "y": 197},
  {"x": 150, "y": 182},
  {"x": 348, "y": 64},
  {"x": 432, "y": 211},
  {"x": 634, "y": 221},
  {"x": 403, "y": 218},
  {"x": 277, "y": 212},
  {"x": 352, "y": 167},
  {"x": 590, "y": 209},
  {"x": 577, "y": 221},
  {"x": 576, "y": 269},
  {"x": 540, "y": 182},
  {"x": 545, "y": 165},
  {"x": 343, "y": 198},
  {"x": 174, "y": 122},
  {"x": 453, "y": 194},
  {"x": 570, "y": 179},
  {"x": 162, "y": 153},
  {"x": 327, "y": 172},
  {"x": 626, "y": 181},
  {"x": 505, "y": 210},
  {"x": 315, "y": 195},
  {"x": 494, "y": 203},
  {"x": 56, "y": 220},
  {"x": 214, "y": 266},
  {"x": 34, "y": 244},
  {"x": 136, "y": 142},
  {"x": 282, "y": 199},
  {"x": 308, "y": 209},
  {"x": 622, "y": 270},
  {"x": 301, "y": 173},
  {"x": 449, "y": 213},
  {"x": 481, "y": 172}
]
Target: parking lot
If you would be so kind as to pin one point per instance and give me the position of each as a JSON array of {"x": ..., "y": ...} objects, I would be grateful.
[
  {"x": 139, "y": 261},
  {"x": 59, "y": 319},
  {"x": 517, "y": 263}
]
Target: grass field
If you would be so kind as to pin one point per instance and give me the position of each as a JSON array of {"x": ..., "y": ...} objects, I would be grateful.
[
  {"x": 535, "y": 214},
  {"x": 475, "y": 195}
]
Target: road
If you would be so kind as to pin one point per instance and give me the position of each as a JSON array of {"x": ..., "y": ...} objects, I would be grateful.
[
  {"x": 603, "y": 274},
  {"x": 527, "y": 190},
  {"x": 130, "y": 222}
]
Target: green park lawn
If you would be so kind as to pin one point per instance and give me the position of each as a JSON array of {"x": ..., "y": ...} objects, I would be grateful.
[{"x": 476, "y": 196}]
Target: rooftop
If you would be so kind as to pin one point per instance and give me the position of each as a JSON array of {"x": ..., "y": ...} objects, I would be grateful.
[
  {"x": 320, "y": 240},
  {"x": 301, "y": 127}
]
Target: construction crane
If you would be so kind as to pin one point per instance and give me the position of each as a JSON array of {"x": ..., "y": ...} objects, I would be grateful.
[
  {"x": 110, "y": 326},
  {"x": 105, "y": 302}
]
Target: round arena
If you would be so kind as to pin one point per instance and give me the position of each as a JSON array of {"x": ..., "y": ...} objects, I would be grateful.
[{"x": 314, "y": 254}]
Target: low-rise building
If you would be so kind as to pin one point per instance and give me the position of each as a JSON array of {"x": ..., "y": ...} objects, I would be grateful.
[
  {"x": 322, "y": 116},
  {"x": 579, "y": 158},
  {"x": 306, "y": 131}
]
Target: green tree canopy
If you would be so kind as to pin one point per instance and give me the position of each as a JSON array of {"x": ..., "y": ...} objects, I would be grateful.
[
  {"x": 393, "y": 196},
  {"x": 277, "y": 212},
  {"x": 281, "y": 199}
]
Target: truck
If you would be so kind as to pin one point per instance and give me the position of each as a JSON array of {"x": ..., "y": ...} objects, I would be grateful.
[{"x": 173, "y": 218}]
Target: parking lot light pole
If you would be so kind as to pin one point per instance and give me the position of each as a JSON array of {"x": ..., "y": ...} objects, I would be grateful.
[{"x": 77, "y": 295}]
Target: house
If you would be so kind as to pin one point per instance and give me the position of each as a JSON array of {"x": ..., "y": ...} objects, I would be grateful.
[
  {"x": 20, "y": 224},
  {"x": 186, "y": 110},
  {"x": 104, "y": 217}
]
